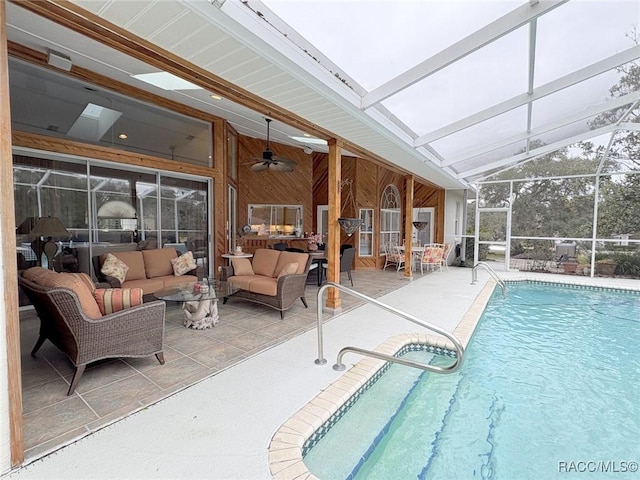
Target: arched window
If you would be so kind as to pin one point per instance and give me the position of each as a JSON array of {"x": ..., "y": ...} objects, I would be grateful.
[{"x": 390, "y": 216}]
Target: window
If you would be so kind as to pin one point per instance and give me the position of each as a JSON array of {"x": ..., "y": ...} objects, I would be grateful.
[
  {"x": 365, "y": 245},
  {"x": 275, "y": 220},
  {"x": 111, "y": 205},
  {"x": 390, "y": 216}
]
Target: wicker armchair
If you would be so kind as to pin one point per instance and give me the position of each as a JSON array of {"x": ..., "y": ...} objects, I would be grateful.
[{"x": 133, "y": 332}]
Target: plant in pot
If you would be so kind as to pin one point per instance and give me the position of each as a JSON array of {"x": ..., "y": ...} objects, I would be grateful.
[
  {"x": 606, "y": 267},
  {"x": 570, "y": 266}
]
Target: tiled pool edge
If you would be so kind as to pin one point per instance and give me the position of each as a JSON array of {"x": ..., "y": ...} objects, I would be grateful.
[{"x": 285, "y": 448}]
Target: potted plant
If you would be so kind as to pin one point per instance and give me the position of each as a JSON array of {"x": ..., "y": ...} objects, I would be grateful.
[
  {"x": 570, "y": 266},
  {"x": 606, "y": 267}
]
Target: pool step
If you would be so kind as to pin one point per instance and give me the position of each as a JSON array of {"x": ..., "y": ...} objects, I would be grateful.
[
  {"x": 466, "y": 443},
  {"x": 412, "y": 427}
]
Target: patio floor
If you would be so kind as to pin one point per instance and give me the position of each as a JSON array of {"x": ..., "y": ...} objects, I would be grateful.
[{"x": 110, "y": 390}]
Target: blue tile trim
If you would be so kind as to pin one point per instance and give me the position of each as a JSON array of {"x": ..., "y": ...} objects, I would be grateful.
[
  {"x": 572, "y": 285},
  {"x": 326, "y": 426}
]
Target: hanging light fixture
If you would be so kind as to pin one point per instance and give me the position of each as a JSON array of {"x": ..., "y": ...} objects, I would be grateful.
[
  {"x": 349, "y": 224},
  {"x": 420, "y": 225}
]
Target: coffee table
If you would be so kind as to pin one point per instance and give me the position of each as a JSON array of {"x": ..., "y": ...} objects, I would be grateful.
[{"x": 199, "y": 304}]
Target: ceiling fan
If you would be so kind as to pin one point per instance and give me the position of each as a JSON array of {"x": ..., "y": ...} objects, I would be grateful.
[{"x": 269, "y": 161}]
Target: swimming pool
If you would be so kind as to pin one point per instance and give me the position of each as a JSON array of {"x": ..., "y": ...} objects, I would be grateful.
[{"x": 549, "y": 386}]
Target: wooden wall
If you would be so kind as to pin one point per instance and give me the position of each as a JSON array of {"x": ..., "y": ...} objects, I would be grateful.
[
  {"x": 369, "y": 181},
  {"x": 271, "y": 187}
]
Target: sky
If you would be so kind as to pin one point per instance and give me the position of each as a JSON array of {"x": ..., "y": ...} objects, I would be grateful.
[{"x": 373, "y": 41}]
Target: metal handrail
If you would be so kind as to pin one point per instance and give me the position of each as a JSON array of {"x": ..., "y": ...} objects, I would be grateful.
[
  {"x": 492, "y": 272},
  {"x": 381, "y": 356}
]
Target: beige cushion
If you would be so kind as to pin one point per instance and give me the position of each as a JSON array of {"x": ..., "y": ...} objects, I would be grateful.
[
  {"x": 35, "y": 274},
  {"x": 73, "y": 282},
  {"x": 183, "y": 264},
  {"x": 114, "y": 267},
  {"x": 87, "y": 281},
  {"x": 243, "y": 281},
  {"x": 135, "y": 262},
  {"x": 265, "y": 261},
  {"x": 264, "y": 285},
  {"x": 157, "y": 262},
  {"x": 148, "y": 285},
  {"x": 290, "y": 257},
  {"x": 112, "y": 300},
  {"x": 288, "y": 269},
  {"x": 242, "y": 266}
]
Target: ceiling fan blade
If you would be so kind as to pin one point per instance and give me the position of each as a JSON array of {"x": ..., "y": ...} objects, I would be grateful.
[
  {"x": 281, "y": 167},
  {"x": 287, "y": 161},
  {"x": 259, "y": 167}
]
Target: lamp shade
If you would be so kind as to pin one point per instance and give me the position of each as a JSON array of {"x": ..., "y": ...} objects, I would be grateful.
[
  {"x": 49, "y": 227},
  {"x": 26, "y": 225}
]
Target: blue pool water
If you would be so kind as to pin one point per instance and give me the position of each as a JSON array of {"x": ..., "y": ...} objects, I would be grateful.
[{"x": 549, "y": 388}]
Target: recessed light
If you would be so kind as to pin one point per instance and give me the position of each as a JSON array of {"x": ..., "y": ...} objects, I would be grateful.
[
  {"x": 123, "y": 136},
  {"x": 306, "y": 135},
  {"x": 215, "y": 97}
]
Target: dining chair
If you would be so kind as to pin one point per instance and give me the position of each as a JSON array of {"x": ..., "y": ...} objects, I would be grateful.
[
  {"x": 432, "y": 256},
  {"x": 393, "y": 255},
  {"x": 445, "y": 255},
  {"x": 346, "y": 262}
]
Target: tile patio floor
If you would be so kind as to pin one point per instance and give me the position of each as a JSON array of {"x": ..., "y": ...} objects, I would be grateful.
[{"x": 112, "y": 389}]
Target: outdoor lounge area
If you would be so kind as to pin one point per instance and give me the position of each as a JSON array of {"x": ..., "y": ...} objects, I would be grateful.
[
  {"x": 114, "y": 388},
  {"x": 433, "y": 149}
]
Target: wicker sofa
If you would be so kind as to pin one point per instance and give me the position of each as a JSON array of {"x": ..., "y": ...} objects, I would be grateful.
[
  {"x": 150, "y": 270},
  {"x": 71, "y": 318},
  {"x": 272, "y": 278}
]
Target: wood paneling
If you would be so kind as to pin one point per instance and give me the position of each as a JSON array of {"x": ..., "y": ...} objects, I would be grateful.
[
  {"x": 271, "y": 187},
  {"x": 367, "y": 196}
]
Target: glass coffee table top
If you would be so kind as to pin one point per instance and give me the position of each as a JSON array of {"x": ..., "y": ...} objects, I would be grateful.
[{"x": 187, "y": 293}]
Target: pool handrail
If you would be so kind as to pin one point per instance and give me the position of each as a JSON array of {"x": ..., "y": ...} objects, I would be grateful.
[
  {"x": 492, "y": 272},
  {"x": 459, "y": 349}
]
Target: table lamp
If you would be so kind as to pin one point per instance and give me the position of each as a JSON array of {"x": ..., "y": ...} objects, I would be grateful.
[{"x": 51, "y": 228}]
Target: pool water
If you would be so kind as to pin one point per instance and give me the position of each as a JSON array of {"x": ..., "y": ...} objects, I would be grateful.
[{"x": 549, "y": 386}]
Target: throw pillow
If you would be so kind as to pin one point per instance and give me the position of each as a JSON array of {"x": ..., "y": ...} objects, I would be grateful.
[
  {"x": 183, "y": 264},
  {"x": 242, "y": 266},
  {"x": 114, "y": 267},
  {"x": 111, "y": 300},
  {"x": 289, "y": 269}
]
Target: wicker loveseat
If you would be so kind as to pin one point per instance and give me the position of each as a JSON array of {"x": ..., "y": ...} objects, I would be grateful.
[
  {"x": 150, "y": 270},
  {"x": 272, "y": 278},
  {"x": 71, "y": 319}
]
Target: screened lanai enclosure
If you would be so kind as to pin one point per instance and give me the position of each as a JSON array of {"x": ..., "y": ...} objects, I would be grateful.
[{"x": 534, "y": 105}]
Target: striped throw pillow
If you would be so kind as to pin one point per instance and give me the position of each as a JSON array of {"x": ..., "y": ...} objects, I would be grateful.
[{"x": 111, "y": 300}]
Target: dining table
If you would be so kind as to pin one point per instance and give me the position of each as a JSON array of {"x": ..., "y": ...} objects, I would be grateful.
[{"x": 416, "y": 253}]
